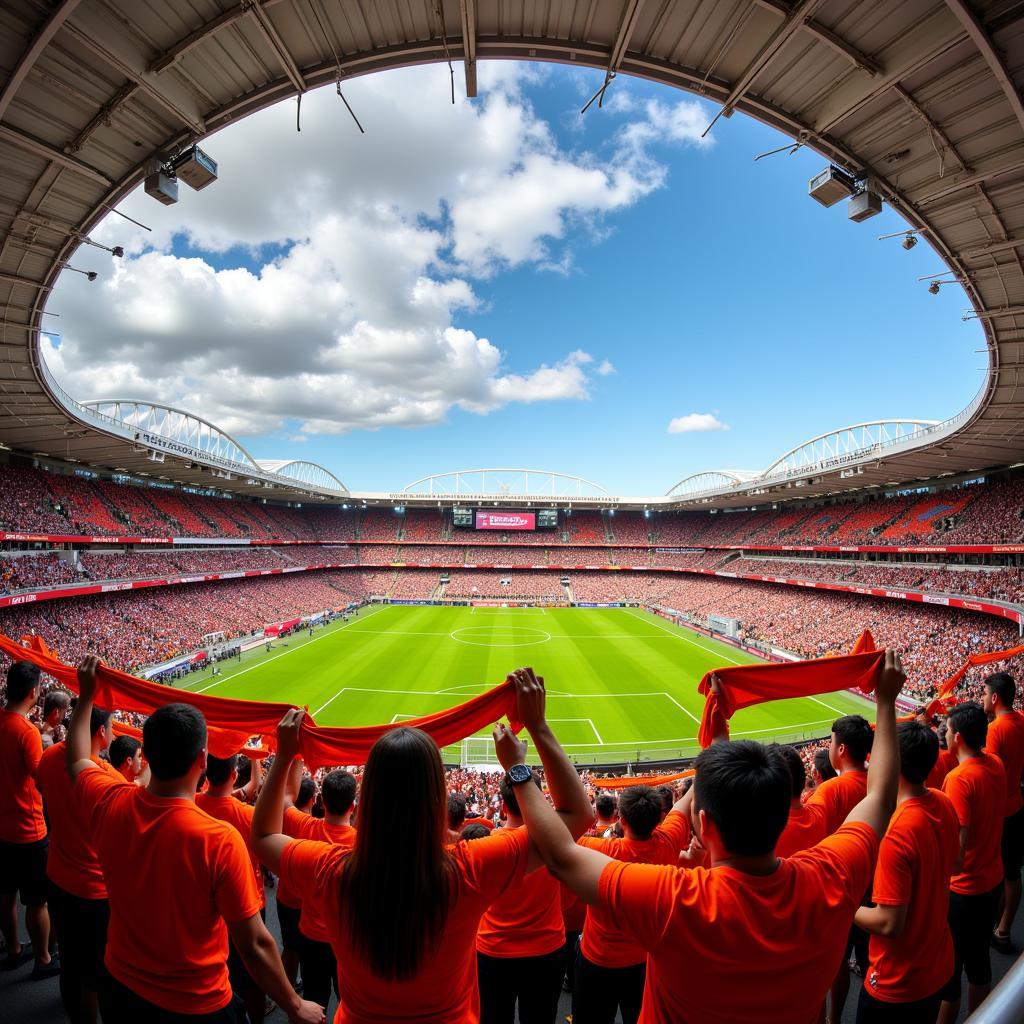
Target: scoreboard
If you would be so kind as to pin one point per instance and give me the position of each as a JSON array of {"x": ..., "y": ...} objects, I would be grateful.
[{"x": 505, "y": 520}]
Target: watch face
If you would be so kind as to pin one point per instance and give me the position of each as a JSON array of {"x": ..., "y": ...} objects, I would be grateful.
[{"x": 520, "y": 773}]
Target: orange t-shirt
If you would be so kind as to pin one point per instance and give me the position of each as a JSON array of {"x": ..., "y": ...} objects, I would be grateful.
[
  {"x": 725, "y": 946},
  {"x": 21, "y": 806},
  {"x": 305, "y": 826},
  {"x": 72, "y": 862},
  {"x": 1006, "y": 741},
  {"x": 174, "y": 876},
  {"x": 804, "y": 829},
  {"x": 444, "y": 990},
  {"x": 943, "y": 766},
  {"x": 525, "y": 919},
  {"x": 239, "y": 815},
  {"x": 838, "y": 796},
  {"x": 977, "y": 788},
  {"x": 285, "y": 894},
  {"x": 604, "y": 942},
  {"x": 915, "y": 860}
]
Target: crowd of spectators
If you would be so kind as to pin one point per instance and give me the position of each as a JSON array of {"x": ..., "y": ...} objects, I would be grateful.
[
  {"x": 23, "y": 572},
  {"x": 471, "y": 584}
]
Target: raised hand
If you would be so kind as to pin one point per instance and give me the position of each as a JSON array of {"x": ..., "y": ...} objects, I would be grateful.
[
  {"x": 87, "y": 677},
  {"x": 288, "y": 731},
  {"x": 892, "y": 680},
  {"x": 509, "y": 747},
  {"x": 530, "y": 698}
]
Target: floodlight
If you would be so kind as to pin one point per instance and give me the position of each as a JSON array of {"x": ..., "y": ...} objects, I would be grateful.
[
  {"x": 934, "y": 287},
  {"x": 909, "y": 242}
]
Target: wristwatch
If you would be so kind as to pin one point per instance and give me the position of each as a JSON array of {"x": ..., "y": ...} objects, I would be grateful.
[{"x": 518, "y": 774}]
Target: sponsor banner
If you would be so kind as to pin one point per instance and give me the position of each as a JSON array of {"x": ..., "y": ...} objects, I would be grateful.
[
  {"x": 680, "y": 551},
  {"x": 599, "y": 604},
  {"x": 506, "y": 520},
  {"x": 221, "y": 542}
]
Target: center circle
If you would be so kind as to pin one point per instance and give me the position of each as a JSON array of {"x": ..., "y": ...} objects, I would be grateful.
[{"x": 480, "y": 636}]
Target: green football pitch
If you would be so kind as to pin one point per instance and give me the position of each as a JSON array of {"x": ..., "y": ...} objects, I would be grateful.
[{"x": 621, "y": 683}]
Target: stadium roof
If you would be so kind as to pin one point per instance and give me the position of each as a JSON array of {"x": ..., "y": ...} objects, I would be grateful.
[{"x": 922, "y": 97}]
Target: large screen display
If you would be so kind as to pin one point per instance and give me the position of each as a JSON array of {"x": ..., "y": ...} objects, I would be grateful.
[
  {"x": 462, "y": 517},
  {"x": 505, "y": 520}
]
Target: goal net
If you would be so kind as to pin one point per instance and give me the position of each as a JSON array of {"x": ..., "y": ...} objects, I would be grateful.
[{"x": 478, "y": 751}]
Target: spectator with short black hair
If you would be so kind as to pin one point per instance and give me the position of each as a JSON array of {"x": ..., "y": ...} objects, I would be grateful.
[
  {"x": 910, "y": 953},
  {"x": 55, "y": 709},
  {"x": 610, "y": 966},
  {"x": 125, "y": 755},
  {"x": 23, "y": 837},
  {"x": 977, "y": 788},
  {"x": 805, "y": 826},
  {"x": 1006, "y": 740}
]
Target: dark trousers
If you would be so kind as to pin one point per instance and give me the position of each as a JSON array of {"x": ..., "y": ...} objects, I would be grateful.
[
  {"x": 319, "y": 971},
  {"x": 120, "y": 1005},
  {"x": 533, "y": 981},
  {"x": 971, "y": 920},
  {"x": 572, "y": 942},
  {"x": 600, "y": 991},
  {"x": 873, "y": 1011},
  {"x": 81, "y": 926}
]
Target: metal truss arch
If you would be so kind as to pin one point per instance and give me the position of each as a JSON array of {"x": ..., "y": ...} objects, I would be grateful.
[
  {"x": 505, "y": 482},
  {"x": 711, "y": 479},
  {"x": 848, "y": 444},
  {"x": 310, "y": 474},
  {"x": 175, "y": 425}
]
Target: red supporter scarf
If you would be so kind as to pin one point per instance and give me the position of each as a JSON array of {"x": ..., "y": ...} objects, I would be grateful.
[
  {"x": 746, "y": 685},
  {"x": 232, "y": 723}
]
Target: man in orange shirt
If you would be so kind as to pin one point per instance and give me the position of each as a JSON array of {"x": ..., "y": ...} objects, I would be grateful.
[
  {"x": 1006, "y": 741},
  {"x": 23, "y": 842},
  {"x": 78, "y": 894},
  {"x": 806, "y": 824},
  {"x": 126, "y": 756},
  {"x": 316, "y": 958},
  {"x": 220, "y": 802},
  {"x": 834, "y": 799},
  {"x": 611, "y": 967},
  {"x": 911, "y": 951},
  {"x": 977, "y": 787},
  {"x": 179, "y": 882},
  {"x": 456, "y": 816},
  {"x": 752, "y": 937},
  {"x": 520, "y": 944}
]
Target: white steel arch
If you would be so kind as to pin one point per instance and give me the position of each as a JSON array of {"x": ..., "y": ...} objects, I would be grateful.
[
  {"x": 711, "y": 479},
  {"x": 309, "y": 473},
  {"x": 506, "y": 482},
  {"x": 175, "y": 425},
  {"x": 848, "y": 444}
]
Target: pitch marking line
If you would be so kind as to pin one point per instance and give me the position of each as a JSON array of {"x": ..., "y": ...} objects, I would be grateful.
[
  {"x": 590, "y": 720},
  {"x": 292, "y": 650},
  {"x": 685, "y": 710},
  {"x": 651, "y": 744},
  {"x": 829, "y": 706},
  {"x": 684, "y": 638}
]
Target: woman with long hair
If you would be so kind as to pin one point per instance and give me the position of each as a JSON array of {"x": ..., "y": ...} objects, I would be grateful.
[{"x": 402, "y": 906}]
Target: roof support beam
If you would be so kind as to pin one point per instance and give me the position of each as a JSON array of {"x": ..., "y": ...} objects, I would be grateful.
[
  {"x": 125, "y": 93},
  {"x": 976, "y": 31},
  {"x": 983, "y": 173},
  {"x": 932, "y": 127},
  {"x": 28, "y": 59},
  {"x": 991, "y": 250},
  {"x": 828, "y": 37},
  {"x": 43, "y": 149},
  {"x": 795, "y": 21},
  {"x": 630, "y": 15},
  {"x": 468, "y": 8},
  {"x": 276, "y": 43},
  {"x": 120, "y": 50},
  {"x": 27, "y": 281}
]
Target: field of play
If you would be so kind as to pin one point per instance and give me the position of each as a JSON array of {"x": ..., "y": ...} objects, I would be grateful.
[{"x": 622, "y": 683}]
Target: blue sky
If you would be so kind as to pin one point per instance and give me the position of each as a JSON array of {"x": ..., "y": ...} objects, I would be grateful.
[{"x": 725, "y": 291}]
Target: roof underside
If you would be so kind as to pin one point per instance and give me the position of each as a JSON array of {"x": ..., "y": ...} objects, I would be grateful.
[{"x": 922, "y": 94}]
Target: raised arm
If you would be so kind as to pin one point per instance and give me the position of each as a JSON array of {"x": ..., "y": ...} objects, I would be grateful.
[
  {"x": 268, "y": 839},
  {"x": 78, "y": 748},
  {"x": 568, "y": 796},
  {"x": 884, "y": 770},
  {"x": 247, "y": 792}
]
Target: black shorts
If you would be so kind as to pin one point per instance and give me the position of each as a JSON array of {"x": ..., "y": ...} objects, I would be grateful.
[
  {"x": 1013, "y": 846},
  {"x": 120, "y": 1005},
  {"x": 971, "y": 920},
  {"x": 82, "y": 927},
  {"x": 874, "y": 1011},
  {"x": 242, "y": 982},
  {"x": 23, "y": 870},
  {"x": 288, "y": 917}
]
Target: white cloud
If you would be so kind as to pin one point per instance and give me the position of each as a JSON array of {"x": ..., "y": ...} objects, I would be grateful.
[
  {"x": 696, "y": 423},
  {"x": 365, "y": 252}
]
